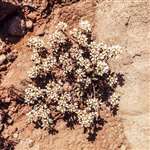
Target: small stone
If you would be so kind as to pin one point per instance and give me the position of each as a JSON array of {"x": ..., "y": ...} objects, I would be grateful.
[
  {"x": 123, "y": 147},
  {"x": 29, "y": 24},
  {"x": 10, "y": 121},
  {"x": 2, "y": 59},
  {"x": 7, "y": 100},
  {"x": 30, "y": 143},
  {"x": 15, "y": 135}
]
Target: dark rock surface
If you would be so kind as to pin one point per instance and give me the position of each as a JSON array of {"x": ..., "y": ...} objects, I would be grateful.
[{"x": 7, "y": 8}]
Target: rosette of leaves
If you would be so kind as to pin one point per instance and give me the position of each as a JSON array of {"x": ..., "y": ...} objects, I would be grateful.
[{"x": 71, "y": 77}]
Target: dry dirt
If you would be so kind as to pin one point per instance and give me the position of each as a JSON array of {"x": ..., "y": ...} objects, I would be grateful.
[{"x": 126, "y": 23}]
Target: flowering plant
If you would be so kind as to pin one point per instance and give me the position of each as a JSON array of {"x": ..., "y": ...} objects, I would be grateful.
[{"x": 70, "y": 75}]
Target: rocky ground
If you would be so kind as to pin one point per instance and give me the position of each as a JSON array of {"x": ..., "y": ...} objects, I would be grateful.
[{"x": 126, "y": 23}]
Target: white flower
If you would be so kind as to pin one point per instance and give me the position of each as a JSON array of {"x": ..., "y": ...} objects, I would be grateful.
[
  {"x": 79, "y": 37},
  {"x": 114, "y": 99},
  {"x": 33, "y": 94},
  {"x": 93, "y": 103},
  {"x": 35, "y": 71},
  {"x": 114, "y": 50},
  {"x": 112, "y": 80},
  {"x": 48, "y": 63},
  {"x": 57, "y": 37},
  {"x": 61, "y": 26},
  {"x": 85, "y": 119},
  {"x": 102, "y": 67},
  {"x": 36, "y": 58},
  {"x": 85, "y": 25},
  {"x": 36, "y": 43},
  {"x": 40, "y": 113}
]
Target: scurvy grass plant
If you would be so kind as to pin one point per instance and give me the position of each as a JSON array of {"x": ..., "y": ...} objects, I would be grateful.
[{"x": 71, "y": 77}]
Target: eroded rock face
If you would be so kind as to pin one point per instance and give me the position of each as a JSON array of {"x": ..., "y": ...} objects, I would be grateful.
[
  {"x": 127, "y": 23},
  {"x": 18, "y": 70}
]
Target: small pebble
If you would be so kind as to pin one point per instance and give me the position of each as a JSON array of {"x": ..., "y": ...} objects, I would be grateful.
[
  {"x": 10, "y": 121},
  {"x": 30, "y": 143},
  {"x": 29, "y": 24},
  {"x": 123, "y": 147},
  {"x": 7, "y": 100},
  {"x": 15, "y": 135},
  {"x": 2, "y": 59}
]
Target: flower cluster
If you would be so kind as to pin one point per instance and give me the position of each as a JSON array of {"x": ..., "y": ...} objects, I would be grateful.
[
  {"x": 33, "y": 94},
  {"x": 114, "y": 99},
  {"x": 85, "y": 26},
  {"x": 74, "y": 77},
  {"x": 86, "y": 118},
  {"x": 40, "y": 115},
  {"x": 36, "y": 44}
]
